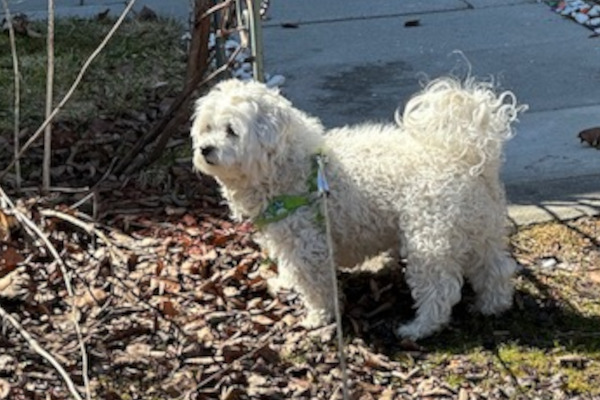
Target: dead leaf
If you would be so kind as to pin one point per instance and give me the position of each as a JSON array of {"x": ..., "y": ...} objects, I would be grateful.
[
  {"x": 262, "y": 320},
  {"x": 232, "y": 352},
  {"x": 164, "y": 285},
  {"x": 591, "y": 136},
  {"x": 14, "y": 284},
  {"x": 370, "y": 388},
  {"x": 8, "y": 365},
  {"x": 6, "y": 223},
  {"x": 4, "y": 389},
  {"x": 387, "y": 394},
  {"x": 168, "y": 308},
  {"x": 189, "y": 220},
  {"x": 268, "y": 354},
  {"x": 412, "y": 23},
  {"x": 289, "y": 319},
  {"x": 91, "y": 297},
  {"x": 9, "y": 259},
  {"x": 594, "y": 276},
  {"x": 299, "y": 387},
  {"x": 230, "y": 291},
  {"x": 377, "y": 361},
  {"x": 231, "y": 393}
]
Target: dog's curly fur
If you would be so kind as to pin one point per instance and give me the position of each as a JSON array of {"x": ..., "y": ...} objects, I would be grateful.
[{"x": 428, "y": 184}]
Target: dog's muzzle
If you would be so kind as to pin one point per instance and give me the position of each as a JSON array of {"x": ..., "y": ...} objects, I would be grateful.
[{"x": 208, "y": 153}]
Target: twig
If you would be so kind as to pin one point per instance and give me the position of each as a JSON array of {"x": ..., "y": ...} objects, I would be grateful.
[
  {"x": 82, "y": 201},
  {"x": 17, "y": 107},
  {"x": 40, "y": 350},
  {"x": 57, "y": 189},
  {"x": 32, "y": 227},
  {"x": 89, "y": 228},
  {"x": 47, "y": 161},
  {"x": 71, "y": 90},
  {"x": 216, "y": 8}
]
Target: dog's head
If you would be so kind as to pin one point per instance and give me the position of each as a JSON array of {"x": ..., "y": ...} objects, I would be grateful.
[{"x": 237, "y": 129}]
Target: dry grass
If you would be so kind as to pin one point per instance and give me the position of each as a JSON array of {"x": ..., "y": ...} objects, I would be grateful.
[{"x": 141, "y": 57}]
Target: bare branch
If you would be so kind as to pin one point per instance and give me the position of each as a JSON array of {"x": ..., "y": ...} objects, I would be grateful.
[
  {"x": 17, "y": 106},
  {"x": 177, "y": 113},
  {"x": 71, "y": 90}
]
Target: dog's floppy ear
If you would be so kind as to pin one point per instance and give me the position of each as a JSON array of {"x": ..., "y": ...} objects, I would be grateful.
[{"x": 272, "y": 123}]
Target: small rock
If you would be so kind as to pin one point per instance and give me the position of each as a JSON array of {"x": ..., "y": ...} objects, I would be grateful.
[{"x": 548, "y": 263}]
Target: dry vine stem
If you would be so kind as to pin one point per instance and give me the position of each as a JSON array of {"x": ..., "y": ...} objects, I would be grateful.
[
  {"x": 40, "y": 350},
  {"x": 17, "y": 106},
  {"x": 71, "y": 90},
  {"x": 32, "y": 227}
]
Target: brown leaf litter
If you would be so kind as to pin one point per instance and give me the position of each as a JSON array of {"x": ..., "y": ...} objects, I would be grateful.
[{"x": 174, "y": 305}]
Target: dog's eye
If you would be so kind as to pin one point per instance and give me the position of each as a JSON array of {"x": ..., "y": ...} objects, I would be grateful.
[{"x": 231, "y": 132}]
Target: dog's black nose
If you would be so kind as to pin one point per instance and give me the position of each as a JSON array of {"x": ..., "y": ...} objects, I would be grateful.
[{"x": 207, "y": 150}]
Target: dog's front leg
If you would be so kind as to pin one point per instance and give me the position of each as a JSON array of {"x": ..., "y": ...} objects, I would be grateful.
[
  {"x": 313, "y": 281},
  {"x": 302, "y": 255}
]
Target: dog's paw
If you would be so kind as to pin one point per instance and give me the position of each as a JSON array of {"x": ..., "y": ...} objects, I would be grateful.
[
  {"x": 315, "y": 319},
  {"x": 414, "y": 330},
  {"x": 275, "y": 285},
  {"x": 491, "y": 306}
]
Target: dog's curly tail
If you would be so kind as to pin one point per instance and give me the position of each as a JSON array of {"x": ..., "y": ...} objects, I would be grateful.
[{"x": 465, "y": 120}]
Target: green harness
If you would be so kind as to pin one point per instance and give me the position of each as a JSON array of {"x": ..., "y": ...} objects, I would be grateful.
[{"x": 284, "y": 205}]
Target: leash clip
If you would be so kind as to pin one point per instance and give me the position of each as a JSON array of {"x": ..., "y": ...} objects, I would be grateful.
[{"x": 322, "y": 184}]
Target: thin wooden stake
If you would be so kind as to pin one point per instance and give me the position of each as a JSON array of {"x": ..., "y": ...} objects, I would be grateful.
[{"x": 47, "y": 162}]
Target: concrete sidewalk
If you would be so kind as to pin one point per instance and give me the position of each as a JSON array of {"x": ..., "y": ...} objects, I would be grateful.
[{"x": 348, "y": 61}]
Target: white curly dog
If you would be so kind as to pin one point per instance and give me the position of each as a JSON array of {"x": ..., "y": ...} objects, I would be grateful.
[{"x": 428, "y": 185}]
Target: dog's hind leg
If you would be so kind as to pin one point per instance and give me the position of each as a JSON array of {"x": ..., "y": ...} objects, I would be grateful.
[
  {"x": 491, "y": 279},
  {"x": 434, "y": 275},
  {"x": 436, "y": 288}
]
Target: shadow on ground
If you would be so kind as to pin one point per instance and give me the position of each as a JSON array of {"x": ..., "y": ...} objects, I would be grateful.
[{"x": 377, "y": 303}]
